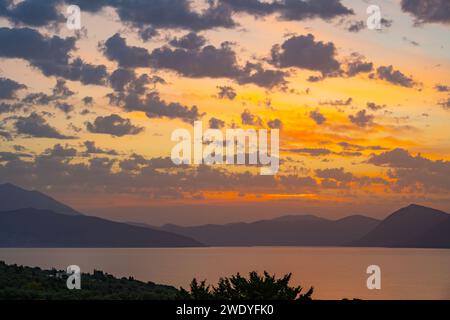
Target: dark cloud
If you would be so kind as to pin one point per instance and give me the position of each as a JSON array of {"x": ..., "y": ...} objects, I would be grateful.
[
  {"x": 414, "y": 172},
  {"x": 338, "y": 174},
  {"x": 116, "y": 49},
  {"x": 275, "y": 124},
  {"x": 11, "y": 107},
  {"x": 190, "y": 41},
  {"x": 61, "y": 90},
  {"x": 173, "y": 14},
  {"x": 5, "y": 135},
  {"x": 396, "y": 77},
  {"x": 88, "y": 101},
  {"x": 311, "y": 151},
  {"x": 361, "y": 118},
  {"x": 36, "y": 13},
  {"x": 338, "y": 103},
  {"x": 8, "y": 88},
  {"x": 193, "y": 61},
  {"x": 442, "y": 88},
  {"x": 113, "y": 125},
  {"x": 51, "y": 55},
  {"x": 35, "y": 126},
  {"x": 428, "y": 11},
  {"x": 148, "y": 33},
  {"x": 154, "y": 107},
  {"x": 64, "y": 107},
  {"x": 356, "y": 26},
  {"x": 267, "y": 78},
  {"x": 120, "y": 78},
  {"x": 318, "y": 117},
  {"x": 226, "y": 92},
  {"x": 356, "y": 67},
  {"x": 91, "y": 148},
  {"x": 445, "y": 104},
  {"x": 215, "y": 123},
  {"x": 291, "y": 9},
  {"x": 375, "y": 107},
  {"x": 250, "y": 119},
  {"x": 208, "y": 61},
  {"x": 62, "y": 152},
  {"x": 306, "y": 53},
  {"x": 355, "y": 147}
]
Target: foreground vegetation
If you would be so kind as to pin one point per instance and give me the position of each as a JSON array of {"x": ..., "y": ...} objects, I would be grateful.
[{"x": 33, "y": 283}]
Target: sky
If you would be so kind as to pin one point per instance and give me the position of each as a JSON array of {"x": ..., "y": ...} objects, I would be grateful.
[{"x": 86, "y": 115}]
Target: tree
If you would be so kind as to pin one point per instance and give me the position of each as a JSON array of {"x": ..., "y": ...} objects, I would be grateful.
[{"x": 256, "y": 287}]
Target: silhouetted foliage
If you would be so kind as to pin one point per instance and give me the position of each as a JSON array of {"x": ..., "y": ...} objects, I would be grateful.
[
  {"x": 26, "y": 283},
  {"x": 256, "y": 287}
]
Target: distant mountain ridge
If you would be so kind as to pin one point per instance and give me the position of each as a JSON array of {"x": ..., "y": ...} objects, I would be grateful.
[
  {"x": 412, "y": 226},
  {"x": 13, "y": 197},
  {"x": 33, "y": 219},
  {"x": 43, "y": 228},
  {"x": 291, "y": 230}
]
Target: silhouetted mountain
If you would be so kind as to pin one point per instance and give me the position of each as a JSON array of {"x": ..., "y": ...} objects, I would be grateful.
[
  {"x": 13, "y": 197},
  {"x": 44, "y": 228},
  {"x": 437, "y": 237},
  {"x": 412, "y": 226},
  {"x": 283, "y": 231}
]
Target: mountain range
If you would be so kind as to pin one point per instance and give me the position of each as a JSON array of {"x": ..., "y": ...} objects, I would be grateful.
[{"x": 33, "y": 219}]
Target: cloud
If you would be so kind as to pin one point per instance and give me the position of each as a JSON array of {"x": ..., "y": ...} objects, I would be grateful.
[
  {"x": 64, "y": 107},
  {"x": 190, "y": 41},
  {"x": 88, "y": 101},
  {"x": 339, "y": 103},
  {"x": 113, "y": 125},
  {"x": 215, "y": 123},
  {"x": 316, "y": 152},
  {"x": 226, "y": 92},
  {"x": 292, "y": 9},
  {"x": 9, "y": 88},
  {"x": 120, "y": 78},
  {"x": 62, "y": 152},
  {"x": 248, "y": 118},
  {"x": 193, "y": 61},
  {"x": 356, "y": 26},
  {"x": 428, "y": 11},
  {"x": 356, "y": 67},
  {"x": 361, "y": 118},
  {"x": 414, "y": 172},
  {"x": 61, "y": 90},
  {"x": 275, "y": 124},
  {"x": 35, "y": 126},
  {"x": 318, "y": 117},
  {"x": 355, "y": 147},
  {"x": 5, "y": 135},
  {"x": 36, "y": 13},
  {"x": 154, "y": 107},
  {"x": 173, "y": 14},
  {"x": 375, "y": 107},
  {"x": 148, "y": 33},
  {"x": 11, "y": 107},
  {"x": 337, "y": 174},
  {"x": 445, "y": 104},
  {"x": 91, "y": 148},
  {"x": 442, "y": 88},
  {"x": 396, "y": 77},
  {"x": 306, "y": 53},
  {"x": 51, "y": 55},
  {"x": 116, "y": 49}
]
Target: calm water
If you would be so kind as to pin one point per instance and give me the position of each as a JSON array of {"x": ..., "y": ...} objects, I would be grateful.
[{"x": 335, "y": 273}]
